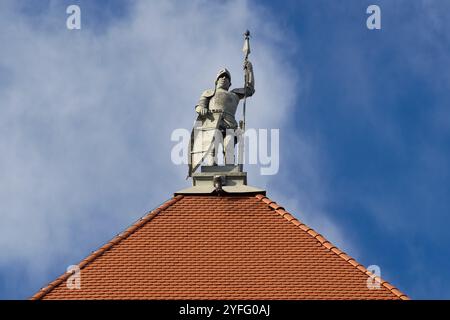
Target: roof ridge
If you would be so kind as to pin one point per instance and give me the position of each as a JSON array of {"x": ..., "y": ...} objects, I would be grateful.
[
  {"x": 117, "y": 239},
  {"x": 328, "y": 245}
]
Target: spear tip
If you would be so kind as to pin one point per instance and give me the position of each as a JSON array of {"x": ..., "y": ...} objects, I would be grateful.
[{"x": 246, "y": 48}]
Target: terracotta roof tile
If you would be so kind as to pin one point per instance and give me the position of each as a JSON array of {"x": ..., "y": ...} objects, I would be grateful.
[
  {"x": 361, "y": 268},
  {"x": 312, "y": 233},
  {"x": 275, "y": 206},
  {"x": 210, "y": 247},
  {"x": 296, "y": 222}
]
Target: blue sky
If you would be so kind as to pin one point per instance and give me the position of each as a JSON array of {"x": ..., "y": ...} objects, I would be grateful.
[{"x": 363, "y": 116}]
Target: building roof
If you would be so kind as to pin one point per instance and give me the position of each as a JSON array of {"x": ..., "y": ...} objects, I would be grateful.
[{"x": 219, "y": 247}]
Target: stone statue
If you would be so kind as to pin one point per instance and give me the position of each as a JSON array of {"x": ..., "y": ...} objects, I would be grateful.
[{"x": 216, "y": 116}]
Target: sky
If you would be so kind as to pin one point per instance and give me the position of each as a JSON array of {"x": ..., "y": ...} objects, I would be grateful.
[{"x": 86, "y": 118}]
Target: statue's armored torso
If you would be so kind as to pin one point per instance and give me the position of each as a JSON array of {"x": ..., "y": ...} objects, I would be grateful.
[{"x": 226, "y": 102}]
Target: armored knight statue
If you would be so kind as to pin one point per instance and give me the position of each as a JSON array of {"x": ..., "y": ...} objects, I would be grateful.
[
  {"x": 225, "y": 102},
  {"x": 216, "y": 111}
]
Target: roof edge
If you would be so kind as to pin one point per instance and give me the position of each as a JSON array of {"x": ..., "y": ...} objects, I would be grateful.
[
  {"x": 328, "y": 245},
  {"x": 117, "y": 239}
]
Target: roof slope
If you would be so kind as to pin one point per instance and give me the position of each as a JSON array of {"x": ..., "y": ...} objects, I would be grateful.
[{"x": 211, "y": 247}]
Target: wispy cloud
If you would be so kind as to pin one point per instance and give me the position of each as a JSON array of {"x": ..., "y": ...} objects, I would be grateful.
[{"x": 86, "y": 117}]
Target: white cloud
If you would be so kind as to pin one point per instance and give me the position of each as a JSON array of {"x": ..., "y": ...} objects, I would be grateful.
[{"x": 85, "y": 118}]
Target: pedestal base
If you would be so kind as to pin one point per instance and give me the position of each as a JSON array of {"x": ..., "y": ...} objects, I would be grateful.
[{"x": 217, "y": 179}]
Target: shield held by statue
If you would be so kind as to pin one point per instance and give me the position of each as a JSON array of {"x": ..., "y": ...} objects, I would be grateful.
[{"x": 202, "y": 139}]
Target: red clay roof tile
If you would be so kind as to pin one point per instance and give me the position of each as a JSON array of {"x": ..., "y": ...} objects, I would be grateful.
[
  {"x": 210, "y": 247},
  {"x": 275, "y": 206}
]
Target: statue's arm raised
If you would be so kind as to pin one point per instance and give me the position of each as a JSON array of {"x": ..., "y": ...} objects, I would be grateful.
[{"x": 249, "y": 89}]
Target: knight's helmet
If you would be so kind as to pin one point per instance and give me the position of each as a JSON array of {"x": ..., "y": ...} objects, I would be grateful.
[{"x": 221, "y": 72}]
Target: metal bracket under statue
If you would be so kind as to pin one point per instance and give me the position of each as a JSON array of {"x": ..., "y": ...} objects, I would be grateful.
[
  {"x": 220, "y": 180},
  {"x": 215, "y": 122}
]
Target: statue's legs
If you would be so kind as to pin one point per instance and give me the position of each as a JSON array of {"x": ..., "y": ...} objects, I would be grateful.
[
  {"x": 211, "y": 158},
  {"x": 226, "y": 138},
  {"x": 229, "y": 141},
  {"x": 211, "y": 155}
]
